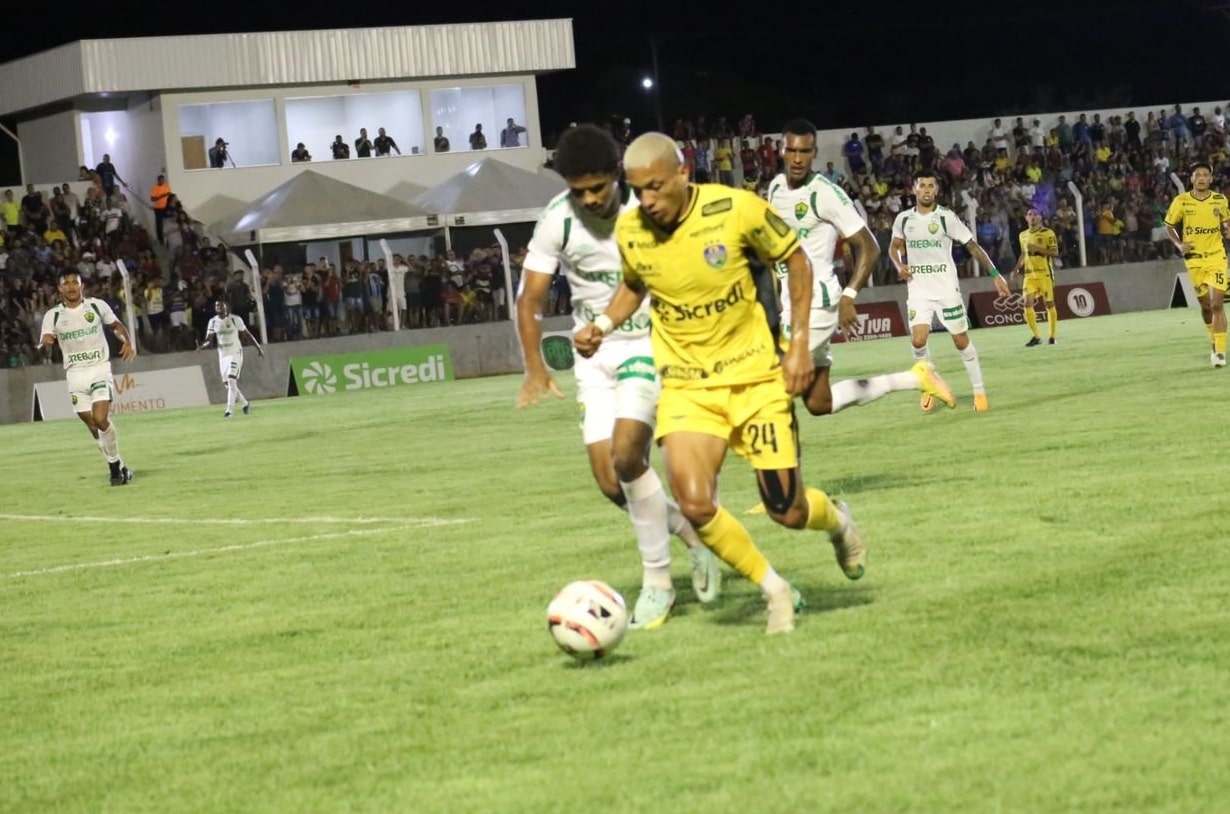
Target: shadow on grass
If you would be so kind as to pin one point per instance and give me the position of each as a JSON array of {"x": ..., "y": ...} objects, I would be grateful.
[{"x": 748, "y": 607}]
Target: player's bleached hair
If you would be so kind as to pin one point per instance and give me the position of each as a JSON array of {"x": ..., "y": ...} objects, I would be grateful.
[
  {"x": 586, "y": 150},
  {"x": 799, "y": 127},
  {"x": 649, "y": 148}
]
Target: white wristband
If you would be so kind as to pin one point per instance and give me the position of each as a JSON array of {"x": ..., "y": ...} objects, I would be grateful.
[
  {"x": 604, "y": 324},
  {"x": 852, "y": 293}
]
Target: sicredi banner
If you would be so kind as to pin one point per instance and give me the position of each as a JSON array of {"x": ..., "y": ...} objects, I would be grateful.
[
  {"x": 144, "y": 392},
  {"x": 394, "y": 367},
  {"x": 876, "y": 320},
  {"x": 1071, "y": 301}
]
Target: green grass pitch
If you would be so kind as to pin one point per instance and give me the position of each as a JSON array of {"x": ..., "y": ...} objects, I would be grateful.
[{"x": 337, "y": 603}]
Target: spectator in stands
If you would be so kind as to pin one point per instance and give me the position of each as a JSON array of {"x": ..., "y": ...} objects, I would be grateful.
[
  {"x": 510, "y": 136},
  {"x": 160, "y": 195},
  {"x": 749, "y": 164},
  {"x": 339, "y": 148},
  {"x": 477, "y": 140},
  {"x": 724, "y": 163},
  {"x": 853, "y": 152},
  {"x": 34, "y": 208},
  {"x": 363, "y": 145},
  {"x": 874, "y": 143},
  {"x": 1020, "y": 136},
  {"x": 384, "y": 143},
  {"x": 440, "y": 142},
  {"x": 12, "y": 213},
  {"x": 300, "y": 154},
  {"x": 766, "y": 155},
  {"x": 218, "y": 156},
  {"x": 108, "y": 175},
  {"x": 999, "y": 137}
]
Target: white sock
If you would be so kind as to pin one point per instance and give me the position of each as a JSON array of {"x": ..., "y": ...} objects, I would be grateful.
[
  {"x": 772, "y": 582},
  {"x": 232, "y": 388},
  {"x": 109, "y": 443},
  {"x": 647, "y": 508},
  {"x": 970, "y": 357},
  {"x": 922, "y": 354},
  {"x": 679, "y": 525},
  {"x": 865, "y": 391}
]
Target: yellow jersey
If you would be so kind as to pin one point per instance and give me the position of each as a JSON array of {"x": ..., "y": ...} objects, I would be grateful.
[
  {"x": 708, "y": 327},
  {"x": 1033, "y": 242},
  {"x": 1202, "y": 222}
]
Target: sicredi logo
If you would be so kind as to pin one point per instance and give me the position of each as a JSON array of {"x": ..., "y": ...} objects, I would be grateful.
[
  {"x": 374, "y": 369},
  {"x": 318, "y": 378}
]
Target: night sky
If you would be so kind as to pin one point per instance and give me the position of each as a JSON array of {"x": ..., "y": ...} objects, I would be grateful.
[{"x": 848, "y": 65}]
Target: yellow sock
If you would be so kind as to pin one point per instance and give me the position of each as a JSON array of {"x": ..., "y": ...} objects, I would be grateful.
[
  {"x": 730, "y": 541},
  {"x": 1208, "y": 326},
  {"x": 1031, "y": 319},
  {"x": 1052, "y": 319},
  {"x": 823, "y": 514},
  {"x": 1219, "y": 342}
]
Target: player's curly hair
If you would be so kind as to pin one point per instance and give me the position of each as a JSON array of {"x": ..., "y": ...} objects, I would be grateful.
[{"x": 586, "y": 150}]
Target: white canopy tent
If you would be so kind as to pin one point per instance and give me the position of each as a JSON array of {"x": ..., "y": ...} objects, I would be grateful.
[
  {"x": 315, "y": 207},
  {"x": 490, "y": 192}
]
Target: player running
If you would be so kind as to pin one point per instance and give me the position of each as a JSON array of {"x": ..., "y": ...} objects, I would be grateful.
[{"x": 227, "y": 331}]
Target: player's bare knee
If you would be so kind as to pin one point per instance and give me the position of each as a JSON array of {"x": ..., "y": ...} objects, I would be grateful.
[
  {"x": 699, "y": 511},
  {"x": 629, "y": 464}
]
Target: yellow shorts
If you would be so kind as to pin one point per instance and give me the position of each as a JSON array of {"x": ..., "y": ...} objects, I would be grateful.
[
  {"x": 1206, "y": 273},
  {"x": 1040, "y": 286},
  {"x": 756, "y": 420}
]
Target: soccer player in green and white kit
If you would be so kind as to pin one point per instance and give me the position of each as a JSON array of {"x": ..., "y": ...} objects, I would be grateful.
[
  {"x": 922, "y": 252},
  {"x": 819, "y": 211},
  {"x": 77, "y": 324},
  {"x": 228, "y": 331}
]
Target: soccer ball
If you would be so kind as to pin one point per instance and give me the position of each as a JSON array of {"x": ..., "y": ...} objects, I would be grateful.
[{"x": 587, "y": 619}]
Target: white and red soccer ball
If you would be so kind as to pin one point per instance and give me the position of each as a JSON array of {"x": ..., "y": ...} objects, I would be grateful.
[{"x": 587, "y": 619}]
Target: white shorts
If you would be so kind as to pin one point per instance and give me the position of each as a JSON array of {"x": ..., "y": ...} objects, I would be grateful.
[
  {"x": 950, "y": 311},
  {"x": 230, "y": 366},
  {"x": 497, "y": 297},
  {"x": 87, "y": 385},
  {"x": 179, "y": 318},
  {"x": 821, "y": 327},
  {"x": 619, "y": 381}
]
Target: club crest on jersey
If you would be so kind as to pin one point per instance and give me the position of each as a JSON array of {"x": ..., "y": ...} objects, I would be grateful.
[
  {"x": 800, "y": 210},
  {"x": 89, "y": 316},
  {"x": 715, "y": 255},
  {"x": 933, "y": 227}
]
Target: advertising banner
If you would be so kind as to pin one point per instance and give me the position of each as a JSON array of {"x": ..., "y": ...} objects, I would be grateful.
[
  {"x": 989, "y": 310},
  {"x": 392, "y": 367},
  {"x": 876, "y": 320},
  {"x": 144, "y": 392}
]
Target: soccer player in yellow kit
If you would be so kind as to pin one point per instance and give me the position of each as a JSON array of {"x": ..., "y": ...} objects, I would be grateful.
[
  {"x": 1204, "y": 215},
  {"x": 1039, "y": 247},
  {"x": 723, "y": 384}
]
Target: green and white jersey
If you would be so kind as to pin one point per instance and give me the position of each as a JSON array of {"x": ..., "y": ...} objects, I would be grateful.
[
  {"x": 228, "y": 331},
  {"x": 80, "y": 332},
  {"x": 928, "y": 250},
  {"x": 583, "y": 247},
  {"x": 819, "y": 211}
]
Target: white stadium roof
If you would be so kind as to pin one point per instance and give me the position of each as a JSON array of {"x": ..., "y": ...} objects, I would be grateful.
[{"x": 101, "y": 69}]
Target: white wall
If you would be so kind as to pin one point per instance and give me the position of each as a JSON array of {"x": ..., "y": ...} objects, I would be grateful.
[
  {"x": 49, "y": 148},
  {"x": 458, "y": 109},
  {"x": 317, "y": 120}
]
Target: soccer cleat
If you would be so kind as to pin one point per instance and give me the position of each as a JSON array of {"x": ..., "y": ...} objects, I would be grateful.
[
  {"x": 120, "y": 475},
  {"x": 227, "y": 414},
  {"x": 980, "y": 403},
  {"x": 931, "y": 384},
  {"x": 247, "y": 407},
  {"x": 1051, "y": 341},
  {"x": 1218, "y": 359},
  {"x": 757, "y": 509},
  {"x": 848, "y": 544},
  {"x": 926, "y": 402},
  {"x": 783, "y": 605},
  {"x": 652, "y": 609},
  {"x": 1033, "y": 343},
  {"x": 706, "y": 574}
]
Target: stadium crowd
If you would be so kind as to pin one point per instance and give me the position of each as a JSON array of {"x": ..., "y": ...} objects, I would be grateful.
[{"x": 1121, "y": 166}]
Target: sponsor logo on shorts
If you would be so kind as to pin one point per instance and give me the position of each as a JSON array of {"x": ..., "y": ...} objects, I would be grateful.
[
  {"x": 743, "y": 355},
  {"x": 638, "y": 367},
  {"x": 683, "y": 373}
]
